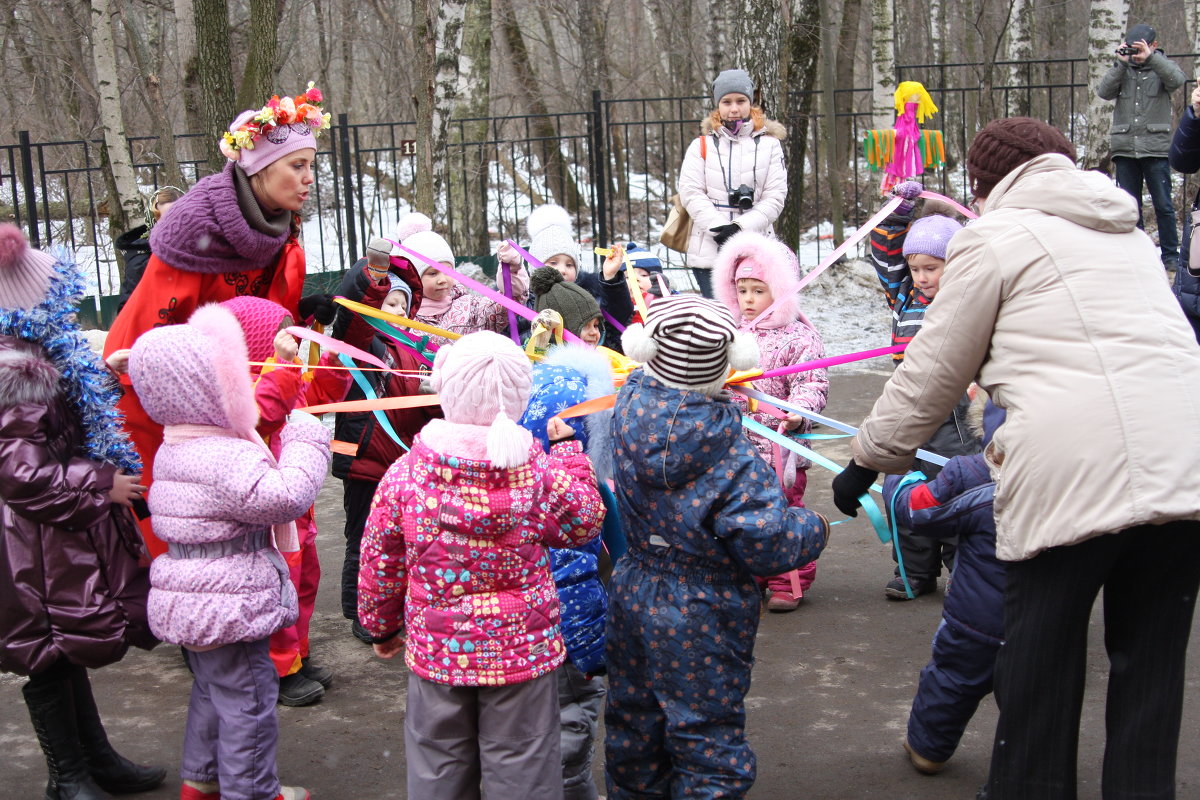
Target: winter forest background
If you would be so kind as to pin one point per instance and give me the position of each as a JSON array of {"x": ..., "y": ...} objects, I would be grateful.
[{"x": 476, "y": 110}]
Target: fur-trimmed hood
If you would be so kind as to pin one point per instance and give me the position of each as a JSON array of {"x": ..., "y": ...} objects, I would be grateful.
[
  {"x": 26, "y": 375},
  {"x": 196, "y": 374},
  {"x": 762, "y": 125},
  {"x": 782, "y": 274}
]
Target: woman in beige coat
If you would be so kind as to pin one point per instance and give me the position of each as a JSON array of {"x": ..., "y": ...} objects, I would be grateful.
[{"x": 1056, "y": 304}]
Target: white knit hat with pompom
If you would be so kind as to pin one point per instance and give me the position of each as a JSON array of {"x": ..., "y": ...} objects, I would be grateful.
[
  {"x": 415, "y": 231},
  {"x": 690, "y": 342},
  {"x": 551, "y": 233}
]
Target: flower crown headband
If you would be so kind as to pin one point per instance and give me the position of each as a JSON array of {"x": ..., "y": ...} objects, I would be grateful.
[{"x": 303, "y": 108}]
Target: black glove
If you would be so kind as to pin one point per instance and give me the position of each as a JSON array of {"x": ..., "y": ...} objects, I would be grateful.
[
  {"x": 851, "y": 484},
  {"x": 721, "y": 233},
  {"x": 319, "y": 307}
]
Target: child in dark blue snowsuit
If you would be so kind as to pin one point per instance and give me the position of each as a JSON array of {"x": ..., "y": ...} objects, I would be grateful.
[
  {"x": 702, "y": 515},
  {"x": 958, "y": 502}
]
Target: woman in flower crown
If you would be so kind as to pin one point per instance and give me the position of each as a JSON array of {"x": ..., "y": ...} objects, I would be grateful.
[{"x": 234, "y": 233}]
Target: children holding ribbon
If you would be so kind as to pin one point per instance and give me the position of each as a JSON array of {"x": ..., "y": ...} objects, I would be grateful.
[
  {"x": 756, "y": 277},
  {"x": 378, "y": 438}
]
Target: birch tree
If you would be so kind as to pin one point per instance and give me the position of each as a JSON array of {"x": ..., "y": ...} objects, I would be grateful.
[
  {"x": 757, "y": 32},
  {"x": 1106, "y": 25},
  {"x": 883, "y": 63},
  {"x": 1020, "y": 53},
  {"x": 124, "y": 199},
  {"x": 469, "y": 176},
  {"x": 440, "y": 27}
]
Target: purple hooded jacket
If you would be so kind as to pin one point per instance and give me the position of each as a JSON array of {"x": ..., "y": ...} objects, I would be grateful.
[{"x": 217, "y": 492}]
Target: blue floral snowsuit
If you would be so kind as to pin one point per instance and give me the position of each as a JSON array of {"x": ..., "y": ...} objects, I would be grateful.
[{"x": 702, "y": 513}]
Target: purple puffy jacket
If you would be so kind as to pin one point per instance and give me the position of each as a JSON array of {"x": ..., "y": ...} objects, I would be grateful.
[{"x": 70, "y": 581}]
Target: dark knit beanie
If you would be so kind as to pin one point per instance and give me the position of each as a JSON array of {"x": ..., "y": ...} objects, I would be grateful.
[
  {"x": 1005, "y": 144},
  {"x": 575, "y": 303}
]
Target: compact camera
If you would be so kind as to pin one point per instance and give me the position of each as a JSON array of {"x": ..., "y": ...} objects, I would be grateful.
[
  {"x": 1127, "y": 50},
  {"x": 742, "y": 197}
]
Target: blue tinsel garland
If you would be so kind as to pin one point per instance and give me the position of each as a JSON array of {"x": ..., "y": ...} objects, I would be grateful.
[{"x": 88, "y": 384}]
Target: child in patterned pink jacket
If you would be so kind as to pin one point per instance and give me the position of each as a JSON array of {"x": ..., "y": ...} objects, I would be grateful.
[
  {"x": 455, "y": 569},
  {"x": 751, "y": 272},
  {"x": 222, "y": 587}
]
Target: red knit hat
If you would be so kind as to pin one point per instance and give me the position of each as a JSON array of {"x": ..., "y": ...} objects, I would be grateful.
[
  {"x": 260, "y": 320},
  {"x": 24, "y": 273}
]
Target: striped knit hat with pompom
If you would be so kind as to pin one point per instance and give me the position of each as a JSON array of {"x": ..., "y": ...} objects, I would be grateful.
[
  {"x": 25, "y": 273},
  {"x": 690, "y": 342}
]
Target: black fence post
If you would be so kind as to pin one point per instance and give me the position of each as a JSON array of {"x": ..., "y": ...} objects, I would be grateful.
[
  {"x": 347, "y": 186},
  {"x": 35, "y": 239},
  {"x": 600, "y": 157}
]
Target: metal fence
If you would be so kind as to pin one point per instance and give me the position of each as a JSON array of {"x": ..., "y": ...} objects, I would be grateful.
[{"x": 613, "y": 166}]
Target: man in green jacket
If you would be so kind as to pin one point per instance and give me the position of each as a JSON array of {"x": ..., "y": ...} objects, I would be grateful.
[{"x": 1141, "y": 82}]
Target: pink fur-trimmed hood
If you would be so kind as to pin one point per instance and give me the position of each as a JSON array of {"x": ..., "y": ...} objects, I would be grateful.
[
  {"x": 779, "y": 268},
  {"x": 196, "y": 374}
]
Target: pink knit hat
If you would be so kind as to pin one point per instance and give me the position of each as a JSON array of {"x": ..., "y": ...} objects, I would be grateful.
[
  {"x": 260, "y": 320},
  {"x": 25, "y": 273},
  {"x": 485, "y": 379},
  {"x": 257, "y": 139}
]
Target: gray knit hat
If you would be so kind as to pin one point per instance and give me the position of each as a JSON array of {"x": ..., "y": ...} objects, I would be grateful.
[{"x": 730, "y": 81}]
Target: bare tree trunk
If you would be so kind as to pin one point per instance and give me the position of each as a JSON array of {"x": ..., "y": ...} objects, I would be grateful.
[
  {"x": 803, "y": 42},
  {"x": 439, "y": 29},
  {"x": 559, "y": 180},
  {"x": 833, "y": 159},
  {"x": 1020, "y": 52},
  {"x": 883, "y": 63},
  {"x": 157, "y": 110},
  {"x": 847, "y": 48},
  {"x": 757, "y": 33},
  {"x": 1106, "y": 24},
  {"x": 258, "y": 78},
  {"x": 125, "y": 202},
  {"x": 718, "y": 38},
  {"x": 469, "y": 174},
  {"x": 189, "y": 79},
  {"x": 213, "y": 57}
]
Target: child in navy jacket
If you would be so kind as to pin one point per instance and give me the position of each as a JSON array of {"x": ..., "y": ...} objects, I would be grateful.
[{"x": 956, "y": 503}]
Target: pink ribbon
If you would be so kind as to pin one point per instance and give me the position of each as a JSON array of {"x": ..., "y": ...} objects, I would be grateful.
[
  {"x": 966, "y": 212},
  {"x": 830, "y": 259},
  {"x": 336, "y": 345},
  {"x": 491, "y": 294},
  {"x": 831, "y": 361}
]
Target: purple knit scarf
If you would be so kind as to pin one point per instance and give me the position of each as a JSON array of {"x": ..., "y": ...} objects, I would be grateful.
[{"x": 207, "y": 232}]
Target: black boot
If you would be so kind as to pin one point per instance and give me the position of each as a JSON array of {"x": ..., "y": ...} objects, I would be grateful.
[
  {"x": 52, "y": 709},
  {"x": 112, "y": 771}
]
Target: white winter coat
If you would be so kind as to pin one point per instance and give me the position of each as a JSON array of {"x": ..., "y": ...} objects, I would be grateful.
[
  {"x": 1056, "y": 303},
  {"x": 752, "y": 157}
]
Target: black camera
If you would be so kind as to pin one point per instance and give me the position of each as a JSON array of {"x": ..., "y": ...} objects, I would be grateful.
[
  {"x": 1127, "y": 50},
  {"x": 742, "y": 197}
]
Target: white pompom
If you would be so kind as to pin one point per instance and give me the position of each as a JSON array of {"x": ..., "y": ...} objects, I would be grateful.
[
  {"x": 549, "y": 216},
  {"x": 410, "y": 223},
  {"x": 743, "y": 351},
  {"x": 507, "y": 443},
  {"x": 638, "y": 344}
]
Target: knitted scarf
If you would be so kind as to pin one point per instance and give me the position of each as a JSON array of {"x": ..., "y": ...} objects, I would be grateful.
[{"x": 86, "y": 381}]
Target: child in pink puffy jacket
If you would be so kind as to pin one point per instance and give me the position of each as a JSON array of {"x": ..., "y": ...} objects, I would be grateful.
[
  {"x": 751, "y": 272},
  {"x": 455, "y": 570},
  {"x": 226, "y": 509}
]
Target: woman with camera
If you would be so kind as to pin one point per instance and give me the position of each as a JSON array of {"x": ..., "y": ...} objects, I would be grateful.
[{"x": 733, "y": 177}]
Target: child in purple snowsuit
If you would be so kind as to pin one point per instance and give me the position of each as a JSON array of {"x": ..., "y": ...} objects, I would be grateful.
[{"x": 222, "y": 588}]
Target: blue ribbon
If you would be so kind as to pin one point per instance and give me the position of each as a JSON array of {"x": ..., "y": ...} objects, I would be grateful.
[
  {"x": 369, "y": 393},
  {"x": 907, "y": 480}
]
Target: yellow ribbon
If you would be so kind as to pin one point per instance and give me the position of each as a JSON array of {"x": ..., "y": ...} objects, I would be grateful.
[{"x": 368, "y": 311}]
